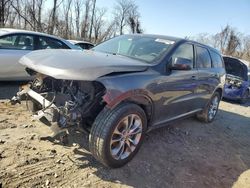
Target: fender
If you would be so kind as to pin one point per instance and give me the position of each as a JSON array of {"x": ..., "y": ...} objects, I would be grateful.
[{"x": 138, "y": 96}]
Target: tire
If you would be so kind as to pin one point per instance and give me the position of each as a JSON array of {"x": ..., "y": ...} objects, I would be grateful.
[
  {"x": 244, "y": 97},
  {"x": 209, "y": 112},
  {"x": 104, "y": 140}
]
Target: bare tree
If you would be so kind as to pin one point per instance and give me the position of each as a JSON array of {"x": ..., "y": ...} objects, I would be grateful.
[
  {"x": 228, "y": 41},
  {"x": 138, "y": 26},
  {"x": 4, "y": 11},
  {"x": 122, "y": 13},
  {"x": 222, "y": 38},
  {"x": 233, "y": 43},
  {"x": 207, "y": 38},
  {"x": 133, "y": 19},
  {"x": 23, "y": 14},
  {"x": 78, "y": 6},
  {"x": 92, "y": 19},
  {"x": 98, "y": 23},
  {"x": 34, "y": 11},
  {"x": 135, "y": 25},
  {"x": 85, "y": 22},
  {"x": 109, "y": 32},
  {"x": 71, "y": 18},
  {"x": 66, "y": 7},
  {"x": 53, "y": 16},
  {"x": 245, "y": 53},
  {"x": 39, "y": 19},
  {"x": 132, "y": 24}
]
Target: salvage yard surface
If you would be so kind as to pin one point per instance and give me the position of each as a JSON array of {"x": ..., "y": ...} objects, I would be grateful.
[{"x": 185, "y": 154}]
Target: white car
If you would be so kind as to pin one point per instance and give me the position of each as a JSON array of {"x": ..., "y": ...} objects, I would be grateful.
[
  {"x": 16, "y": 43},
  {"x": 82, "y": 44}
]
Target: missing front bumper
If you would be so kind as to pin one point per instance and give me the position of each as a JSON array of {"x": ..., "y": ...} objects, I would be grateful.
[{"x": 48, "y": 110}]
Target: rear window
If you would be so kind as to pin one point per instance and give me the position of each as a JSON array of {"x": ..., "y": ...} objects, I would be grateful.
[
  {"x": 50, "y": 43},
  {"x": 216, "y": 59}
]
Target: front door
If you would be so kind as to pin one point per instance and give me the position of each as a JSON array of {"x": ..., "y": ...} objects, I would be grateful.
[
  {"x": 12, "y": 48},
  {"x": 176, "y": 93}
]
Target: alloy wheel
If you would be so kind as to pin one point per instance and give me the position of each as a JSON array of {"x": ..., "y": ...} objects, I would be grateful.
[
  {"x": 126, "y": 137},
  {"x": 213, "y": 107}
]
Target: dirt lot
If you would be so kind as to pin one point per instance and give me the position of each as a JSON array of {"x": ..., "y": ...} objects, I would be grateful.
[{"x": 184, "y": 154}]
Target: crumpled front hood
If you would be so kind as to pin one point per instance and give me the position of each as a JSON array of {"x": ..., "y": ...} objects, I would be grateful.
[{"x": 79, "y": 65}]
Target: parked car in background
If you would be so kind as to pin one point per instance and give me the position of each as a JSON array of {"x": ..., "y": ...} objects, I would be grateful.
[
  {"x": 82, "y": 44},
  {"x": 123, "y": 88},
  {"x": 237, "y": 79},
  {"x": 16, "y": 43}
]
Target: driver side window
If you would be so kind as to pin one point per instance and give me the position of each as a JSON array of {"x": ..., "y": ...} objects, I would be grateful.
[{"x": 184, "y": 51}]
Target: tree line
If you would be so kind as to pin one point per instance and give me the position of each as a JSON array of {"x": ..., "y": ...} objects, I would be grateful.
[
  {"x": 229, "y": 41},
  {"x": 71, "y": 19},
  {"x": 82, "y": 19}
]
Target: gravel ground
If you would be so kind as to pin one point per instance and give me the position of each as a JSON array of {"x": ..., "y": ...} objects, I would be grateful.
[{"x": 186, "y": 154}]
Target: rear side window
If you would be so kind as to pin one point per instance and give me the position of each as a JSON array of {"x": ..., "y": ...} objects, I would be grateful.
[
  {"x": 216, "y": 59},
  {"x": 49, "y": 43},
  {"x": 203, "y": 58}
]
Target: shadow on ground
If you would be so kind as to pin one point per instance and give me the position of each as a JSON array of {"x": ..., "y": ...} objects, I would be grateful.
[
  {"x": 184, "y": 154},
  {"x": 236, "y": 102}
]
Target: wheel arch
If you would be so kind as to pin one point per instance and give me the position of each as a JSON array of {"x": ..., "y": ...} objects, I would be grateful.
[
  {"x": 220, "y": 91},
  {"x": 144, "y": 102},
  {"x": 137, "y": 97}
]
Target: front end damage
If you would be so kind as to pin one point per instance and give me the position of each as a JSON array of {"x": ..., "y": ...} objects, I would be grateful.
[
  {"x": 63, "y": 102},
  {"x": 66, "y": 92}
]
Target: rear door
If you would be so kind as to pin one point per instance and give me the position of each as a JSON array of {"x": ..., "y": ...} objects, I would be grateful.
[
  {"x": 207, "y": 75},
  {"x": 12, "y": 48}
]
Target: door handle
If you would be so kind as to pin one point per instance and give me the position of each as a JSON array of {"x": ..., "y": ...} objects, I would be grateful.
[{"x": 194, "y": 77}]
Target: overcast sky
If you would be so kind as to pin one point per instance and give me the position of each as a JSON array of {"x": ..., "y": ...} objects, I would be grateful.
[{"x": 189, "y": 17}]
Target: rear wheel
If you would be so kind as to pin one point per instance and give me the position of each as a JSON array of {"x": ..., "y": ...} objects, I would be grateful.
[
  {"x": 117, "y": 134},
  {"x": 209, "y": 112}
]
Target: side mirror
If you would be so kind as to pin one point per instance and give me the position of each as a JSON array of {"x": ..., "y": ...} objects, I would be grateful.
[{"x": 179, "y": 63}]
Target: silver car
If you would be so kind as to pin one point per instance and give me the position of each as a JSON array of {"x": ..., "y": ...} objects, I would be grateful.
[{"x": 16, "y": 43}]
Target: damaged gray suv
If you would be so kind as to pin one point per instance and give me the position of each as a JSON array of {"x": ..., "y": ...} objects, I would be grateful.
[{"x": 123, "y": 88}]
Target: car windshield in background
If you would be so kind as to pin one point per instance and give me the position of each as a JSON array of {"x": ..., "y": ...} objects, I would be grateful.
[{"x": 142, "y": 48}]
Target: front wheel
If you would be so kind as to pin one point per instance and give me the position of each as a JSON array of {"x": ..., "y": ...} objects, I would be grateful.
[
  {"x": 209, "y": 112},
  {"x": 117, "y": 134}
]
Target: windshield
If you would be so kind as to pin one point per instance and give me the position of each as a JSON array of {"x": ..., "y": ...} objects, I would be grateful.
[{"x": 138, "y": 47}]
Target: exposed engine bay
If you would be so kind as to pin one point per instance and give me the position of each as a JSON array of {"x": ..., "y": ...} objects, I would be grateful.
[
  {"x": 65, "y": 102},
  {"x": 233, "y": 81}
]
